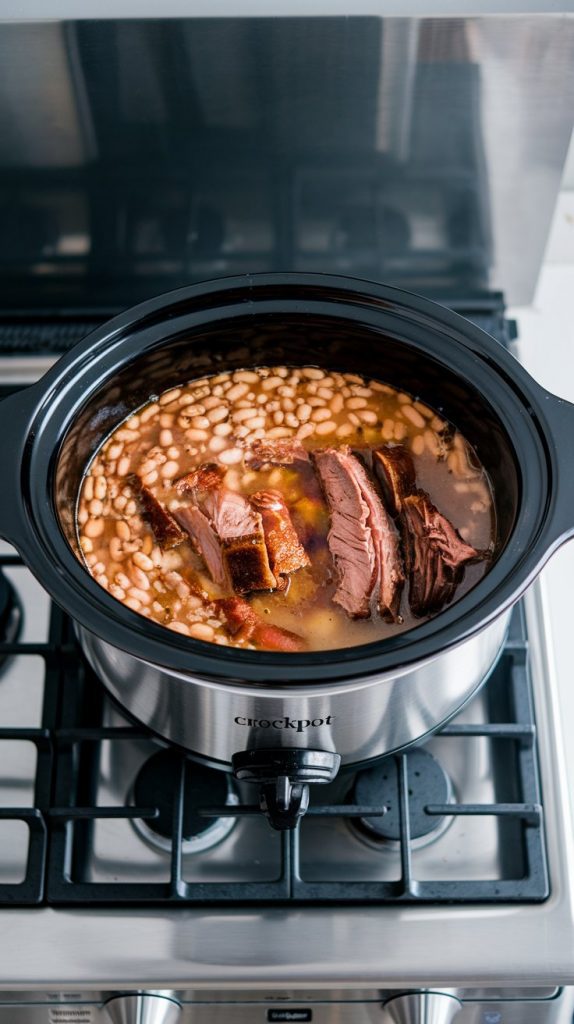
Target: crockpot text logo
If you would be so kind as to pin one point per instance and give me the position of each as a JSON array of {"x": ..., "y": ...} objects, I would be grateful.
[{"x": 299, "y": 724}]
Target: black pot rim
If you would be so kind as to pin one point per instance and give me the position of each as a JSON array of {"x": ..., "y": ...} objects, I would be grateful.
[{"x": 51, "y": 405}]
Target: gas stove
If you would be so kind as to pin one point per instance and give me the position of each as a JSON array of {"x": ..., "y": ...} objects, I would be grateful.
[
  {"x": 135, "y": 884},
  {"x": 126, "y": 867},
  {"x": 115, "y": 818}
]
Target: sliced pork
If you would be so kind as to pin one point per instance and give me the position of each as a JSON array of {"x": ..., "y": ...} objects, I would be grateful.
[
  {"x": 165, "y": 529},
  {"x": 227, "y": 531},
  {"x": 395, "y": 470},
  {"x": 285, "y": 551},
  {"x": 362, "y": 538},
  {"x": 435, "y": 555}
]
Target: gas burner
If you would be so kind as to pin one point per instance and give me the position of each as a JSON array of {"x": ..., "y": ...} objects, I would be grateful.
[
  {"x": 428, "y": 783},
  {"x": 11, "y": 615},
  {"x": 156, "y": 784}
]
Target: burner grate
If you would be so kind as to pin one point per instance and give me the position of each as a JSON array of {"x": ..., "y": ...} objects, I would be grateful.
[{"x": 65, "y": 809}]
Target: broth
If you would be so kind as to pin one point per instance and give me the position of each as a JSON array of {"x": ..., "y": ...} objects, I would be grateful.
[{"x": 222, "y": 420}]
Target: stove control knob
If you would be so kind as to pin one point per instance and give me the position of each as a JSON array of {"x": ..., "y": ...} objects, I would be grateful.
[
  {"x": 139, "y": 1008},
  {"x": 422, "y": 1008}
]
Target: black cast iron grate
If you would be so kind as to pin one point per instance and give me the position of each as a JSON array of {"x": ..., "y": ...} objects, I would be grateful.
[
  {"x": 61, "y": 821},
  {"x": 27, "y": 334}
]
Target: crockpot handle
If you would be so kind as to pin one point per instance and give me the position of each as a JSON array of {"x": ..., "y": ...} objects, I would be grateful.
[
  {"x": 560, "y": 414},
  {"x": 16, "y": 414},
  {"x": 283, "y": 775}
]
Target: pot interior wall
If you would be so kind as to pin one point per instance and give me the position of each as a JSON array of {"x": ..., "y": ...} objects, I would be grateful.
[{"x": 329, "y": 342}]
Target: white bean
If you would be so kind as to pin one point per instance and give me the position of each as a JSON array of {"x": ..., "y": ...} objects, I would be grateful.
[
  {"x": 117, "y": 553},
  {"x": 149, "y": 412},
  {"x": 246, "y": 376},
  {"x": 170, "y": 470},
  {"x": 218, "y": 414},
  {"x": 222, "y": 429},
  {"x": 217, "y": 444},
  {"x": 279, "y": 432},
  {"x": 243, "y": 414},
  {"x": 123, "y": 466},
  {"x": 179, "y": 627},
  {"x": 356, "y": 403},
  {"x": 326, "y": 427},
  {"x": 411, "y": 414},
  {"x": 94, "y": 528},
  {"x": 344, "y": 430},
  {"x": 170, "y": 396},
  {"x": 193, "y": 434},
  {"x": 418, "y": 444},
  {"x": 165, "y": 438},
  {"x": 320, "y": 414},
  {"x": 272, "y": 382},
  {"x": 123, "y": 530},
  {"x": 142, "y": 561},
  {"x": 304, "y": 411},
  {"x": 367, "y": 416},
  {"x": 424, "y": 410},
  {"x": 231, "y": 456},
  {"x": 237, "y": 391},
  {"x": 114, "y": 451},
  {"x": 88, "y": 488},
  {"x": 305, "y": 431},
  {"x": 312, "y": 373},
  {"x": 255, "y": 422},
  {"x": 337, "y": 403},
  {"x": 201, "y": 631}
]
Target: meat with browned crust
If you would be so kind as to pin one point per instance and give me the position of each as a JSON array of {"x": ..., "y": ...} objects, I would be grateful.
[
  {"x": 286, "y": 553},
  {"x": 165, "y": 529},
  {"x": 395, "y": 471},
  {"x": 227, "y": 531},
  {"x": 362, "y": 538},
  {"x": 435, "y": 555},
  {"x": 243, "y": 623}
]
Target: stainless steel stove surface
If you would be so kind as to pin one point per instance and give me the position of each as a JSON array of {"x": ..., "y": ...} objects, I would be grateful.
[
  {"x": 123, "y": 818},
  {"x": 238, "y": 921}
]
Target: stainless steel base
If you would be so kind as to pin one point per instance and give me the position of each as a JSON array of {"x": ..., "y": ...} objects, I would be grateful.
[{"x": 360, "y": 720}]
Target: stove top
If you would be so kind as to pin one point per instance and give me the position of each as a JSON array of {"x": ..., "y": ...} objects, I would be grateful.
[
  {"x": 94, "y": 810},
  {"x": 124, "y": 865}
]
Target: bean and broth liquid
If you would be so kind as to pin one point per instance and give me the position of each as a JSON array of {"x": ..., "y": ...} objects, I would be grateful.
[{"x": 217, "y": 420}]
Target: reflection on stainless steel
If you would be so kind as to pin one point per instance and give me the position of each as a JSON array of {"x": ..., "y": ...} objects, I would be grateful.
[
  {"x": 142, "y": 1009},
  {"x": 471, "y": 848},
  {"x": 422, "y": 1008},
  {"x": 422, "y": 152},
  {"x": 369, "y": 717}
]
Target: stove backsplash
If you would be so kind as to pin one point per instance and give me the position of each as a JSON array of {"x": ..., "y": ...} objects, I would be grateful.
[{"x": 136, "y": 156}]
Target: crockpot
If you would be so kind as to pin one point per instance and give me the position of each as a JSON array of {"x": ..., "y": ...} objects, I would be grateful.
[{"x": 284, "y": 719}]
